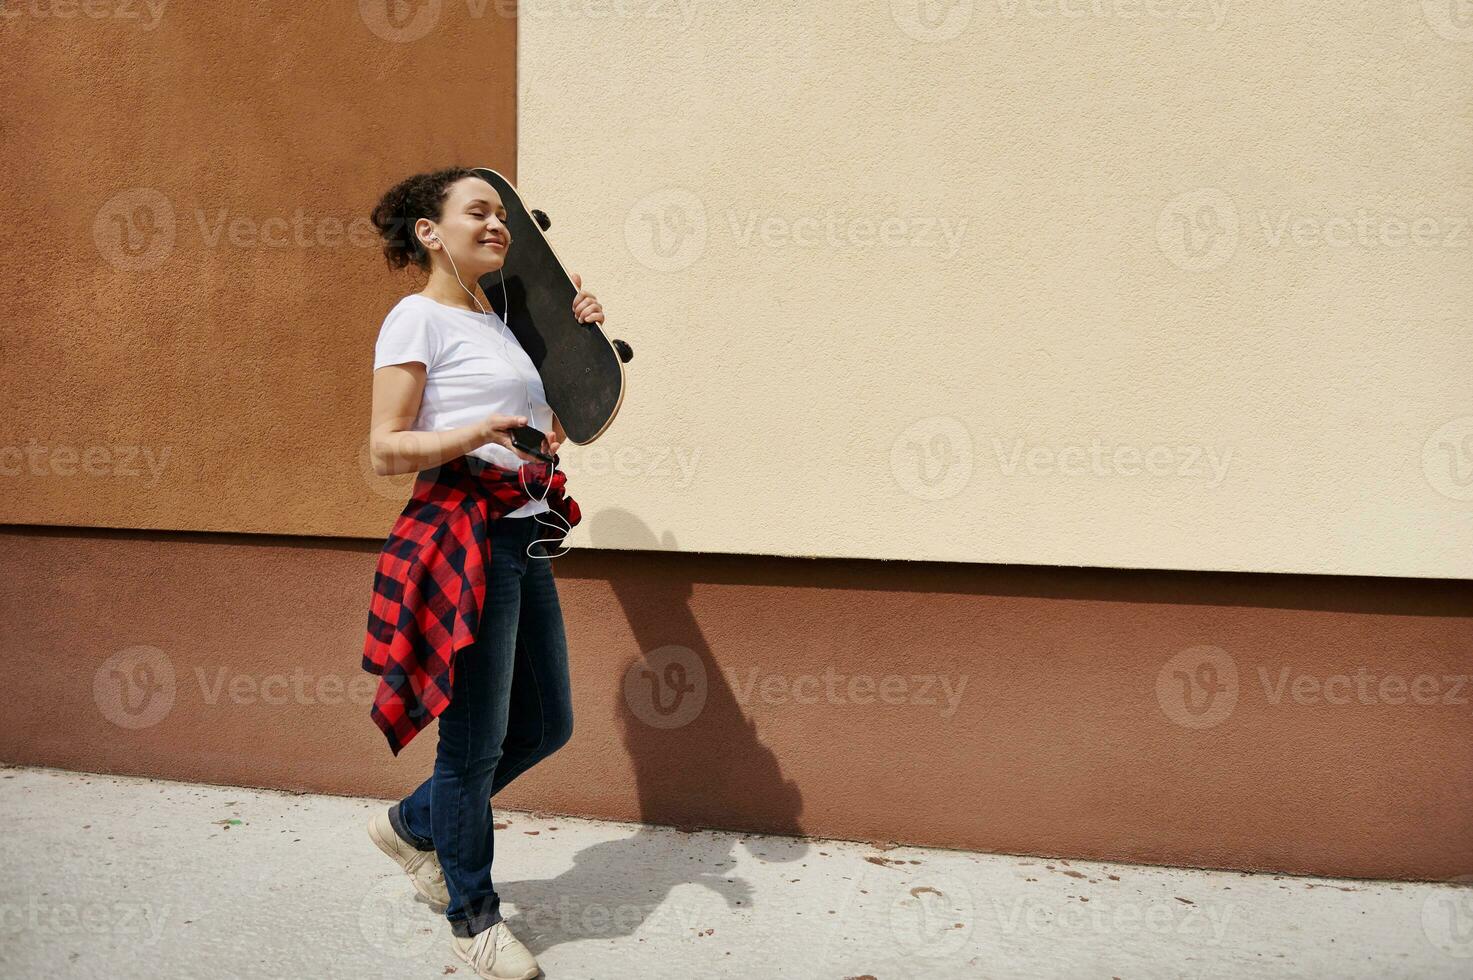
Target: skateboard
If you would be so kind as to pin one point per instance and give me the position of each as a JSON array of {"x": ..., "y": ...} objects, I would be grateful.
[{"x": 582, "y": 370}]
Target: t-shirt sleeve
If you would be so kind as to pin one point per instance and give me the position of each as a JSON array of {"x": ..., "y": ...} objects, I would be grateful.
[{"x": 407, "y": 335}]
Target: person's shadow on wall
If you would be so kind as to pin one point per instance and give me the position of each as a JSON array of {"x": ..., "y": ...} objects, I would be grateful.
[{"x": 698, "y": 762}]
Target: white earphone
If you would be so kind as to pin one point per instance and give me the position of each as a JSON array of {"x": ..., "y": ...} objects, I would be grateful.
[{"x": 567, "y": 528}]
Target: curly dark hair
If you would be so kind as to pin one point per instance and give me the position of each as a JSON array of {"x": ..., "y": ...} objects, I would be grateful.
[{"x": 420, "y": 196}]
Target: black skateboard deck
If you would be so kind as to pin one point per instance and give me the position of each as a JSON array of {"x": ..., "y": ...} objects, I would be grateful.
[{"x": 582, "y": 371}]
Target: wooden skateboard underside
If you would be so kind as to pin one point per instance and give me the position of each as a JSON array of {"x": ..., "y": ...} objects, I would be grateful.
[{"x": 581, "y": 371}]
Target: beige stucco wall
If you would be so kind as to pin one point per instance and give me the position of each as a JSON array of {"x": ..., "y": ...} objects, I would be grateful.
[{"x": 892, "y": 271}]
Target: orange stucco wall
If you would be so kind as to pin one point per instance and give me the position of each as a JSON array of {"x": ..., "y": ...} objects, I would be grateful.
[
  {"x": 235, "y": 660},
  {"x": 191, "y": 286}
]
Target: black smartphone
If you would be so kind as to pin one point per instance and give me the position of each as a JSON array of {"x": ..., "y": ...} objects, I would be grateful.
[{"x": 529, "y": 441}]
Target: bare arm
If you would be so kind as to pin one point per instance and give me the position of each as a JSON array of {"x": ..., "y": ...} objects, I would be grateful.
[{"x": 396, "y": 448}]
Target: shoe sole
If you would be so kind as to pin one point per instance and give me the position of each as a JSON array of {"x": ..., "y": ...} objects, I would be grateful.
[
  {"x": 465, "y": 958},
  {"x": 388, "y": 849}
]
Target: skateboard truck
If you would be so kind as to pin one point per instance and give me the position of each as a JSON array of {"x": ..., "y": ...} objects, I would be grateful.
[{"x": 626, "y": 353}]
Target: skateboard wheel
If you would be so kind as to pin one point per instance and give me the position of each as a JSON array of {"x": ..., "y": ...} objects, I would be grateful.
[
  {"x": 543, "y": 221},
  {"x": 625, "y": 351}
]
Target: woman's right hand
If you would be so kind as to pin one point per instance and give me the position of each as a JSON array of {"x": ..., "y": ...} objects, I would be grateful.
[{"x": 498, "y": 429}]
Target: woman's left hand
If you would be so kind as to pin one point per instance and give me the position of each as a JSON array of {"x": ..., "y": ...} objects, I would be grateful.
[{"x": 586, "y": 306}]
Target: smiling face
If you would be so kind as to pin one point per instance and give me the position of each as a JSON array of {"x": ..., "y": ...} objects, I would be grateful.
[{"x": 472, "y": 226}]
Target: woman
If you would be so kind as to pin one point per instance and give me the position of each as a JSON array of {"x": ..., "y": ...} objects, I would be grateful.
[{"x": 450, "y": 382}]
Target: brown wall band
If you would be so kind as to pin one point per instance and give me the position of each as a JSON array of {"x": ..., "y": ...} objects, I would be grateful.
[{"x": 1064, "y": 733}]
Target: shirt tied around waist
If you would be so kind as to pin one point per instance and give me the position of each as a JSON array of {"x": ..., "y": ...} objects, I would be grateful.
[{"x": 430, "y": 582}]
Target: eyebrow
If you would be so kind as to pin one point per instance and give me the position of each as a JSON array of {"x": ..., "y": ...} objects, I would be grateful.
[{"x": 481, "y": 200}]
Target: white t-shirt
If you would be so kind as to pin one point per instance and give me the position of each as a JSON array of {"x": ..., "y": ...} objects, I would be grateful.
[{"x": 473, "y": 367}]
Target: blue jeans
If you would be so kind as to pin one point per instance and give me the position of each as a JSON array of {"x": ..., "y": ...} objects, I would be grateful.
[{"x": 510, "y": 707}]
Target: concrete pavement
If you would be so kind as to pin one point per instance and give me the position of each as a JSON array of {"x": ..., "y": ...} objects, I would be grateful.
[{"x": 123, "y": 877}]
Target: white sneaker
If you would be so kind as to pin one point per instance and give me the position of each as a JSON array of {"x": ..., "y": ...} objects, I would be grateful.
[
  {"x": 496, "y": 954},
  {"x": 423, "y": 867}
]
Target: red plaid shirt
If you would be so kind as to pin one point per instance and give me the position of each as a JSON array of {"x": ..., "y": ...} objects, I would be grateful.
[{"x": 431, "y": 581}]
